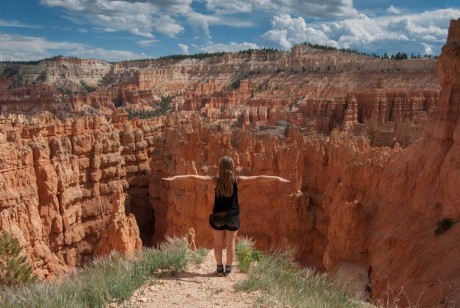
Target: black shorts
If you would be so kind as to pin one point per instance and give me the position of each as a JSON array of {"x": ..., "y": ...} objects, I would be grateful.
[{"x": 225, "y": 221}]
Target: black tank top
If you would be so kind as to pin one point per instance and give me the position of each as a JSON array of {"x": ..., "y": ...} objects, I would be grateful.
[{"x": 227, "y": 204}]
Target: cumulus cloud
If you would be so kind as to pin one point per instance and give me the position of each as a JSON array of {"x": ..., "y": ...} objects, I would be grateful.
[
  {"x": 428, "y": 49},
  {"x": 201, "y": 22},
  {"x": 166, "y": 25},
  {"x": 184, "y": 48},
  {"x": 138, "y": 17},
  {"x": 20, "y": 48},
  {"x": 411, "y": 33},
  {"x": 287, "y": 31},
  {"x": 393, "y": 10}
]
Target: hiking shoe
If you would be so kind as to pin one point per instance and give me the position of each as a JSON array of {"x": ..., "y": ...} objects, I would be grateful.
[
  {"x": 228, "y": 270},
  {"x": 220, "y": 270}
]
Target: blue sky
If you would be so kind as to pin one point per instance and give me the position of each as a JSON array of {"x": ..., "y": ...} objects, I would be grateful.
[{"x": 134, "y": 29}]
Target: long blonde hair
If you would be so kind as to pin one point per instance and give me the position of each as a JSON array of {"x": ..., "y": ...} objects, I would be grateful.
[{"x": 224, "y": 187}]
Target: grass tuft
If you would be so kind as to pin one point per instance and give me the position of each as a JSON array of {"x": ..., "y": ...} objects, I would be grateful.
[
  {"x": 285, "y": 284},
  {"x": 198, "y": 255},
  {"x": 101, "y": 281}
]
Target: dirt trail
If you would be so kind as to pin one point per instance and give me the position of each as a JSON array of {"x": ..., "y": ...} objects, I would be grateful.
[{"x": 197, "y": 286}]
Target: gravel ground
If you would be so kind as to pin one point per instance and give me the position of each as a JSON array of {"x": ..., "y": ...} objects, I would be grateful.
[{"x": 197, "y": 286}]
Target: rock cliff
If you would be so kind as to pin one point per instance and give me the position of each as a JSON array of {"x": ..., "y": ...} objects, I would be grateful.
[
  {"x": 416, "y": 198},
  {"x": 57, "y": 184}
]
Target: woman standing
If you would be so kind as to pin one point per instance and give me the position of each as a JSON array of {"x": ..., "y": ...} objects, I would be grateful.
[{"x": 225, "y": 217}]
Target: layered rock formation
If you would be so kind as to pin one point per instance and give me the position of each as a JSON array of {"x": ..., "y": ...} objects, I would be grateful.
[
  {"x": 58, "y": 181},
  {"x": 308, "y": 87},
  {"x": 122, "y": 234}
]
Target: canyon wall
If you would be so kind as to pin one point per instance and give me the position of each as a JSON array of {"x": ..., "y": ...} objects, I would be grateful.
[
  {"x": 62, "y": 203},
  {"x": 58, "y": 181},
  {"x": 418, "y": 193},
  {"x": 386, "y": 100}
]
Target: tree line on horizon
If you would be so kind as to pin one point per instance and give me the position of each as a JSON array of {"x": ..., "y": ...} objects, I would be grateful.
[
  {"x": 398, "y": 56},
  {"x": 203, "y": 55}
]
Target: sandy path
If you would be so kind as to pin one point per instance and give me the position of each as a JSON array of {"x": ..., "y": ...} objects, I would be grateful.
[{"x": 195, "y": 287}]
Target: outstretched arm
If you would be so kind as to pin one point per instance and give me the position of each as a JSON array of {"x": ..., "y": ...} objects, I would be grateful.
[
  {"x": 202, "y": 179},
  {"x": 246, "y": 180}
]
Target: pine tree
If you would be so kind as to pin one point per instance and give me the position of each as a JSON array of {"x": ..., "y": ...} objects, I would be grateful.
[{"x": 14, "y": 268}]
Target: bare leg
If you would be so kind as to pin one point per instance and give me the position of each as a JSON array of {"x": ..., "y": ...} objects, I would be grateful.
[
  {"x": 218, "y": 245},
  {"x": 230, "y": 239}
]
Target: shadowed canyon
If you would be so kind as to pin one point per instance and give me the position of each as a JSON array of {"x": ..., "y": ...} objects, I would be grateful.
[{"x": 371, "y": 148}]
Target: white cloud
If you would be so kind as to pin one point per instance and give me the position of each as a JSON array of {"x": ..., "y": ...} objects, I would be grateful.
[
  {"x": 411, "y": 33},
  {"x": 109, "y": 30},
  {"x": 136, "y": 31},
  {"x": 201, "y": 22},
  {"x": 21, "y": 48},
  {"x": 279, "y": 37},
  {"x": 428, "y": 49},
  {"x": 287, "y": 31},
  {"x": 146, "y": 43},
  {"x": 171, "y": 6},
  {"x": 184, "y": 48},
  {"x": 137, "y": 17},
  {"x": 232, "y": 47},
  {"x": 229, "y": 6},
  {"x": 16, "y": 24},
  {"x": 393, "y": 10},
  {"x": 311, "y": 8},
  {"x": 73, "y": 5},
  {"x": 166, "y": 25}
]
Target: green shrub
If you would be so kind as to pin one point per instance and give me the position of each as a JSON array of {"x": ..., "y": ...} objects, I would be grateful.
[
  {"x": 246, "y": 254},
  {"x": 235, "y": 84},
  {"x": 87, "y": 87},
  {"x": 163, "y": 107},
  {"x": 10, "y": 71},
  {"x": 14, "y": 268}
]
